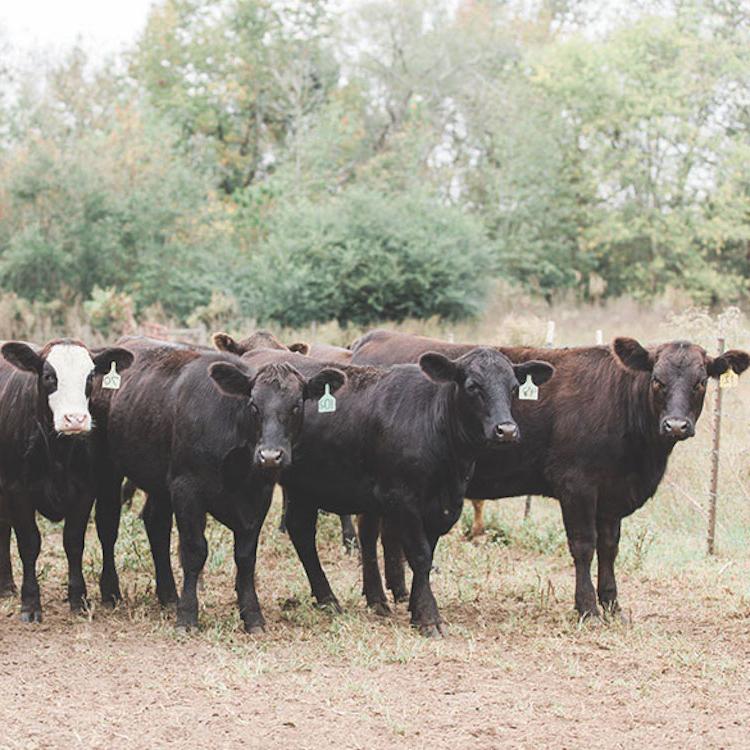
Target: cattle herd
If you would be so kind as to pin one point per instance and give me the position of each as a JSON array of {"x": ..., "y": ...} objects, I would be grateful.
[{"x": 397, "y": 429}]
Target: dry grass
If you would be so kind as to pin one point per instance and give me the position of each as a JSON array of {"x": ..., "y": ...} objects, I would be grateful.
[{"x": 516, "y": 669}]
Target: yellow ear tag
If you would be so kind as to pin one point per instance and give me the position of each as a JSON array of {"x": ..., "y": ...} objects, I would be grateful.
[
  {"x": 528, "y": 391},
  {"x": 729, "y": 379},
  {"x": 327, "y": 402},
  {"x": 112, "y": 379}
]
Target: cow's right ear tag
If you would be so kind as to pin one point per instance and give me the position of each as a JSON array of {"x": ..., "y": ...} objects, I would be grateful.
[
  {"x": 327, "y": 402},
  {"x": 112, "y": 379},
  {"x": 528, "y": 391}
]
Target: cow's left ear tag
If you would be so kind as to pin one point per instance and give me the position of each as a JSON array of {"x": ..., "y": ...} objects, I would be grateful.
[
  {"x": 327, "y": 402},
  {"x": 528, "y": 391},
  {"x": 112, "y": 379}
]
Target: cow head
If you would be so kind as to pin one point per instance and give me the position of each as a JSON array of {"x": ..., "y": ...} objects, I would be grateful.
[
  {"x": 276, "y": 395},
  {"x": 679, "y": 372},
  {"x": 65, "y": 372},
  {"x": 258, "y": 340},
  {"x": 487, "y": 382}
]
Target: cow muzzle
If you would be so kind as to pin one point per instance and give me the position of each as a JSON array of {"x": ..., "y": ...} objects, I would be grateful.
[
  {"x": 270, "y": 458},
  {"x": 677, "y": 428},
  {"x": 74, "y": 424},
  {"x": 506, "y": 432}
]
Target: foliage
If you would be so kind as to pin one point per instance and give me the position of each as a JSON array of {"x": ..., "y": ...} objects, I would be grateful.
[
  {"x": 306, "y": 159},
  {"x": 364, "y": 256}
]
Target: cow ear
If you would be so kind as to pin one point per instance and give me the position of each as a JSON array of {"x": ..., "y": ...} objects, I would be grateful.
[
  {"x": 225, "y": 343},
  {"x": 231, "y": 380},
  {"x": 738, "y": 360},
  {"x": 300, "y": 347},
  {"x": 632, "y": 354},
  {"x": 121, "y": 357},
  {"x": 316, "y": 385},
  {"x": 439, "y": 368},
  {"x": 22, "y": 357},
  {"x": 540, "y": 371}
]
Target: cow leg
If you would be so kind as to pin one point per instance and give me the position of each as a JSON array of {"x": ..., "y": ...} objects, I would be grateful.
[
  {"x": 579, "y": 516},
  {"x": 301, "y": 521},
  {"x": 29, "y": 543},
  {"x": 393, "y": 558},
  {"x": 349, "y": 534},
  {"x": 157, "y": 518},
  {"x": 284, "y": 506},
  {"x": 108, "y": 507},
  {"x": 372, "y": 583},
  {"x": 477, "y": 527},
  {"x": 7, "y": 585},
  {"x": 419, "y": 551},
  {"x": 607, "y": 543},
  {"x": 74, "y": 535},
  {"x": 191, "y": 524}
]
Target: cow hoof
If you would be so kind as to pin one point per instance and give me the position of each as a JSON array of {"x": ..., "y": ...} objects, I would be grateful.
[
  {"x": 430, "y": 631},
  {"x": 33, "y": 615},
  {"x": 7, "y": 589},
  {"x": 399, "y": 596},
  {"x": 168, "y": 601},
  {"x": 617, "y": 616},
  {"x": 590, "y": 620},
  {"x": 331, "y": 605},
  {"x": 79, "y": 604},
  {"x": 381, "y": 609},
  {"x": 255, "y": 629}
]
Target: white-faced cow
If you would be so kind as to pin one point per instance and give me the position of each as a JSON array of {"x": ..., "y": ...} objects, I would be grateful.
[
  {"x": 47, "y": 461},
  {"x": 201, "y": 432},
  {"x": 598, "y": 438},
  {"x": 401, "y": 443}
]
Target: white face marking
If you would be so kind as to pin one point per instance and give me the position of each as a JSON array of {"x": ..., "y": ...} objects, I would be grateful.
[{"x": 69, "y": 405}]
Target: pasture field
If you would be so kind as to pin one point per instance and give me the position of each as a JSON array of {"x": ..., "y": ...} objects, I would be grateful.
[{"x": 514, "y": 670}]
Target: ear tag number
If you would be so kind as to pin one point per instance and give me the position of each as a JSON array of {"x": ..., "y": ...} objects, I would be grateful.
[
  {"x": 729, "y": 379},
  {"x": 528, "y": 391},
  {"x": 112, "y": 379},
  {"x": 327, "y": 402}
]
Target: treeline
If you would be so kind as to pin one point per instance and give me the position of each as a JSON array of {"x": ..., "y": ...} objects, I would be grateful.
[{"x": 288, "y": 162}]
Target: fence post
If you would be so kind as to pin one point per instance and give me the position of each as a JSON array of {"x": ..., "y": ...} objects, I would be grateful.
[
  {"x": 548, "y": 343},
  {"x": 711, "y": 535}
]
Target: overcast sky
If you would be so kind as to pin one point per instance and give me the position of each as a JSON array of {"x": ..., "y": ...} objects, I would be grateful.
[{"x": 54, "y": 25}]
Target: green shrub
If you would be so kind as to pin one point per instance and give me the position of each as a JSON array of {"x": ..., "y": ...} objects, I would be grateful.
[{"x": 364, "y": 256}]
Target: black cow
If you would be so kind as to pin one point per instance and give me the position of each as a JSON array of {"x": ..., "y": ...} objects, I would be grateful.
[
  {"x": 598, "y": 439},
  {"x": 47, "y": 460},
  {"x": 203, "y": 433},
  {"x": 323, "y": 352},
  {"x": 401, "y": 443}
]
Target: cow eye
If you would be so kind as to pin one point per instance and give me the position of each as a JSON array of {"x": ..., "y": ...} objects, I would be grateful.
[
  {"x": 658, "y": 385},
  {"x": 472, "y": 387},
  {"x": 295, "y": 410},
  {"x": 254, "y": 408},
  {"x": 701, "y": 384}
]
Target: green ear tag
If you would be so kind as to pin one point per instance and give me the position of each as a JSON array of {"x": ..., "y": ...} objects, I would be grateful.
[
  {"x": 327, "y": 402},
  {"x": 528, "y": 391},
  {"x": 112, "y": 379}
]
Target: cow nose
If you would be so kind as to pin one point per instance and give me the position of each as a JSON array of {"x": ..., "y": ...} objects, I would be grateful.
[
  {"x": 74, "y": 421},
  {"x": 506, "y": 432},
  {"x": 270, "y": 456},
  {"x": 676, "y": 427}
]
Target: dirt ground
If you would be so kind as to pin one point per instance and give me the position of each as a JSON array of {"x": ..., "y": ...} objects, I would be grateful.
[{"x": 515, "y": 669}]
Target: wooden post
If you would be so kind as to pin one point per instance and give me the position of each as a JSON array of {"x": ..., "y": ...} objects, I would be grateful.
[
  {"x": 549, "y": 343},
  {"x": 711, "y": 535}
]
